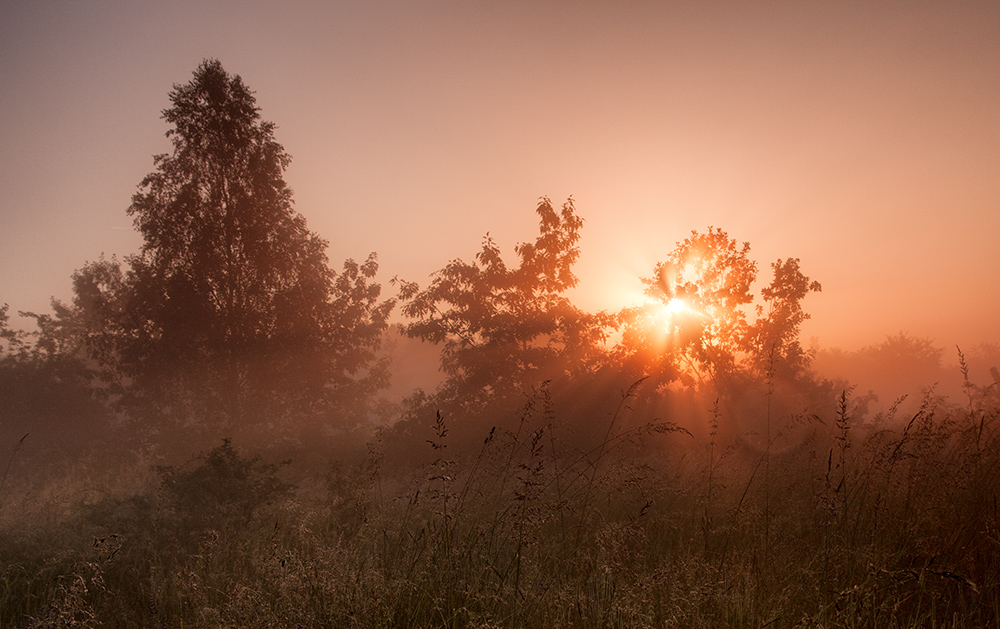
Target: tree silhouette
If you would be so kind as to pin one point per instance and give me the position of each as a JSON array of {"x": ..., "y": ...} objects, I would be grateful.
[
  {"x": 11, "y": 341},
  {"x": 504, "y": 328},
  {"x": 709, "y": 276},
  {"x": 773, "y": 339},
  {"x": 695, "y": 324},
  {"x": 230, "y": 313},
  {"x": 46, "y": 390}
]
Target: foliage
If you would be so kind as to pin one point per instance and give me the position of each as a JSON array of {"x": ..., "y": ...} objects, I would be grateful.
[
  {"x": 774, "y": 337},
  {"x": 47, "y": 390},
  {"x": 11, "y": 341},
  {"x": 874, "y": 522},
  {"x": 504, "y": 329},
  {"x": 229, "y": 314},
  {"x": 709, "y": 335},
  {"x": 579, "y": 507},
  {"x": 224, "y": 490},
  {"x": 897, "y": 366},
  {"x": 711, "y": 276}
]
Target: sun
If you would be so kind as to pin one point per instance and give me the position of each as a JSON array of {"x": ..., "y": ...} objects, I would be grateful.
[
  {"x": 675, "y": 305},
  {"x": 670, "y": 314}
]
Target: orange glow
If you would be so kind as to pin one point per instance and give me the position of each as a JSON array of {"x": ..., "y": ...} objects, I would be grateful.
[
  {"x": 676, "y": 305},
  {"x": 671, "y": 317},
  {"x": 658, "y": 119}
]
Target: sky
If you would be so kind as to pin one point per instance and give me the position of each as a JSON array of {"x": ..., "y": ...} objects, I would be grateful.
[{"x": 861, "y": 137}]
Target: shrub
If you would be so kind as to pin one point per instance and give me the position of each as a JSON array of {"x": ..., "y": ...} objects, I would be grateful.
[{"x": 225, "y": 488}]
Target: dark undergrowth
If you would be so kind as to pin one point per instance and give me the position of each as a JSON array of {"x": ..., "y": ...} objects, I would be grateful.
[{"x": 882, "y": 522}]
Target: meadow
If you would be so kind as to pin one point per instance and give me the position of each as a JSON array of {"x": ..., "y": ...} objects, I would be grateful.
[
  {"x": 866, "y": 521},
  {"x": 209, "y": 432}
]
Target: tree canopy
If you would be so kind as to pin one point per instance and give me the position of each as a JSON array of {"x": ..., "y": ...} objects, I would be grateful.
[
  {"x": 230, "y": 315},
  {"x": 230, "y": 312},
  {"x": 696, "y": 321},
  {"x": 505, "y": 328}
]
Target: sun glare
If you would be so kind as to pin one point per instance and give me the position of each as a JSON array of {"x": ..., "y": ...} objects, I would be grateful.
[
  {"x": 670, "y": 314},
  {"x": 675, "y": 305}
]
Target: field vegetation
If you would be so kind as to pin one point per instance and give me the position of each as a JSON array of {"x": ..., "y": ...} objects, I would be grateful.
[
  {"x": 202, "y": 437},
  {"x": 865, "y": 522}
]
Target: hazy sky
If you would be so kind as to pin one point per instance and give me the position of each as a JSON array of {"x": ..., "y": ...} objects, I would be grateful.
[{"x": 861, "y": 137}]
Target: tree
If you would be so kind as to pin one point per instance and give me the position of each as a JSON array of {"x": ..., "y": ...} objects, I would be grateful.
[
  {"x": 230, "y": 313},
  {"x": 695, "y": 324},
  {"x": 774, "y": 337},
  {"x": 900, "y": 365},
  {"x": 46, "y": 390},
  {"x": 11, "y": 341},
  {"x": 694, "y": 321},
  {"x": 504, "y": 329}
]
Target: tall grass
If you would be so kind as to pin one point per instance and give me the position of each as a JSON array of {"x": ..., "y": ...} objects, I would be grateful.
[{"x": 870, "y": 522}]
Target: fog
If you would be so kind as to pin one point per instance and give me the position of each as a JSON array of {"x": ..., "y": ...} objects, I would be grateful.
[
  {"x": 862, "y": 140},
  {"x": 311, "y": 446},
  {"x": 561, "y": 316}
]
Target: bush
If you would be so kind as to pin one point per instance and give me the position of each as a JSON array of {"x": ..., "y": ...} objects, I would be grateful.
[{"x": 226, "y": 489}]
